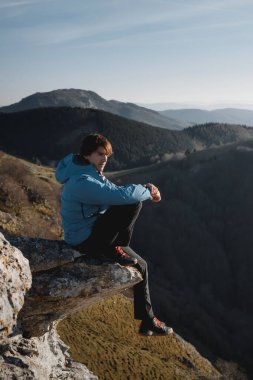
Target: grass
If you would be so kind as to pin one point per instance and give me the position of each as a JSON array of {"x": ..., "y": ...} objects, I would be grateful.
[
  {"x": 29, "y": 199},
  {"x": 105, "y": 338}
]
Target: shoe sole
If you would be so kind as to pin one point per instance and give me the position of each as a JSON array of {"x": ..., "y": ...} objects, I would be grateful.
[
  {"x": 152, "y": 333},
  {"x": 128, "y": 265}
]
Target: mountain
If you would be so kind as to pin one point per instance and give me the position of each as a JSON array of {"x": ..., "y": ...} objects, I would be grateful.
[
  {"x": 216, "y": 134},
  {"x": 25, "y": 185},
  {"x": 225, "y": 115},
  {"x": 198, "y": 242},
  {"x": 88, "y": 99},
  {"x": 46, "y": 135}
]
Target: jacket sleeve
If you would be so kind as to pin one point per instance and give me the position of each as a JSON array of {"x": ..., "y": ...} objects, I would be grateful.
[{"x": 91, "y": 191}]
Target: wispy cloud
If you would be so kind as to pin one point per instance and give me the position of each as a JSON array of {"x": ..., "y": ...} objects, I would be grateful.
[
  {"x": 218, "y": 5},
  {"x": 116, "y": 21},
  {"x": 11, "y": 4},
  {"x": 19, "y": 3},
  {"x": 162, "y": 37}
]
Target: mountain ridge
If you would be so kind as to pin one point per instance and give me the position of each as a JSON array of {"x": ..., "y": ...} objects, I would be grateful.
[
  {"x": 222, "y": 115},
  {"x": 171, "y": 118},
  {"x": 90, "y": 99},
  {"x": 46, "y": 135}
]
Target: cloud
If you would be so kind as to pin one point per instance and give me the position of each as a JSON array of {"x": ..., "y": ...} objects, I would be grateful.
[
  {"x": 19, "y": 3},
  {"x": 160, "y": 36},
  {"x": 113, "y": 22}
]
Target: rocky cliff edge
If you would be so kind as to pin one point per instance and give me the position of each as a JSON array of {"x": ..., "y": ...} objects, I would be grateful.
[{"x": 39, "y": 286}]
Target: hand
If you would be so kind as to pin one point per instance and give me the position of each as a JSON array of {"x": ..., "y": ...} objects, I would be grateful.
[
  {"x": 155, "y": 193},
  {"x": 156, "y": 197}
]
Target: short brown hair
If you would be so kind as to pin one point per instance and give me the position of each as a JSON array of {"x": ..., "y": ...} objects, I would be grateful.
[{"x": 92, "y": 142}]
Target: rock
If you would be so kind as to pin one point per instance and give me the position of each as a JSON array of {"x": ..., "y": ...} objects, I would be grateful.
[
  {"x": 63, "y": 282},
  {"x": 44, "y": 254},
  {"x": 5, "y": 217},
  {"x": 15, "y": 280},
  {"x": 62, "y": 291},
  {"x": 40, "y": 358}
]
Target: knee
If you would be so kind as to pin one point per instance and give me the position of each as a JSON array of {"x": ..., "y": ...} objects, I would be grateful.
[
  {"x": 143, "y": 266},
  {"x": 132, "y": 209},
  {"x": 138, "y": 205},
  {"x": 135, "y": 206}
]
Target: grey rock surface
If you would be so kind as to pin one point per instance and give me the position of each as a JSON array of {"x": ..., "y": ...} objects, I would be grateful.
[
  {"x": 15, "y": 280},
  {"x": 40, "y": 358},
  {"x": 63, "y": 290},
  {"x": 44, "y": 254},
  {"x": 62, "y": 283}
]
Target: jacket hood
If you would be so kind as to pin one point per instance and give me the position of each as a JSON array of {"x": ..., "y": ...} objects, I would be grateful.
[{"x": 71, "y": 165}]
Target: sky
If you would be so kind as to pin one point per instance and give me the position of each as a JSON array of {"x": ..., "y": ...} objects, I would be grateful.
[{"x": 178, "y": 52}]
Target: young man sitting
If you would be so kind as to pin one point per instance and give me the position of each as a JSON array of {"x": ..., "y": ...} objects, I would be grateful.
[{"x": 98, "y": 218}]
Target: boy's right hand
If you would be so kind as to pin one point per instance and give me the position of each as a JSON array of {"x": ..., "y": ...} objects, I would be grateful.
[{"x": 155, "y": 193}]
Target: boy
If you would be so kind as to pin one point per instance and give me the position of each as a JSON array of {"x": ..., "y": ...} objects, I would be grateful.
[{"x": 98, "y": 218}]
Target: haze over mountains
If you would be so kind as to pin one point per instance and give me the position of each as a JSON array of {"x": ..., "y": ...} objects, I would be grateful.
[
  {"x": 89, "y": 99},
  {"x": 224, "y": 115}
]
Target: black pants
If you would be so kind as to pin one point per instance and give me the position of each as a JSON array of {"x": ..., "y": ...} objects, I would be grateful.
[{"x": 115, "y": 227}]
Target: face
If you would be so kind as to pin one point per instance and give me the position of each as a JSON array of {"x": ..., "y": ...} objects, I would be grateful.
[{"x": 98, "y": 158}]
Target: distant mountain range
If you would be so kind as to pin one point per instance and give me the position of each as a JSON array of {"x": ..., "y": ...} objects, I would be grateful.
[
  {"x": 225, "y": 115},
  {"x": 177, "y": 119},
  {"x": 88, "y": 99},
  {"x": 47, "y": 134}
]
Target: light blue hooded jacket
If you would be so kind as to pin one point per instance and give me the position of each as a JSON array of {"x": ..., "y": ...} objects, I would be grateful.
[{"x": 86, "y": 194}]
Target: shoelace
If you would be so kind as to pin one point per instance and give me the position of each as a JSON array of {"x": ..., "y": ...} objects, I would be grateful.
[
  {"x": 158, "y": 323},
  {"x": 120, "y": 252}
]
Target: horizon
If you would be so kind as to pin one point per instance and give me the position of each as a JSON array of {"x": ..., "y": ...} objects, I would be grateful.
[
  {"x": 166, "y": 106},
  {"x": 193, "y": 54}
]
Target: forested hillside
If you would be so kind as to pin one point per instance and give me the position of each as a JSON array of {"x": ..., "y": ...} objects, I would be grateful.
[
  {"x": 46, "y": 135},
  {"x": 198, "y": 241}
]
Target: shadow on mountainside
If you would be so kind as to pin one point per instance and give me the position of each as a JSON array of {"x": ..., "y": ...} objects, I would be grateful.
[{"x": 198, "y": 242}]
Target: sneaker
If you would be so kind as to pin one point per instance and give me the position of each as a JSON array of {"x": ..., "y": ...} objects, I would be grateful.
[
  {"x": 123, "y": 258},
  {"x": 154, "y": 327}
]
